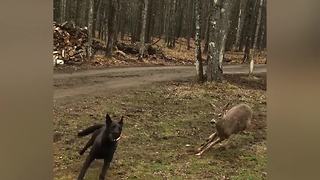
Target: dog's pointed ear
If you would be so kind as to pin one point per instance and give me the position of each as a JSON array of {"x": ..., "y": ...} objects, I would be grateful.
[
  {"x": 108, "y": 119},
  {"x": 121, "y": 120}
]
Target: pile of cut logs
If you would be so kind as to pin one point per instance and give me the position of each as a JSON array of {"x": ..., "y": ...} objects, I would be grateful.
[{"x": 69, "y": 43}]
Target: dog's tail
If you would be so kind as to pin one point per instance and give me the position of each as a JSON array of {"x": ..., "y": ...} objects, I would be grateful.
[{"x": 89, "y": 130}]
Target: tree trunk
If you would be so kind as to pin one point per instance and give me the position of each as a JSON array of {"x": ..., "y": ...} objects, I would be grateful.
[
  {"x": 179, "y": 19},
  {"x": 172, "y": 18},
  {"x": 263, "y": 37},
  {"x": 222, "y": 47},
  {"x": 63, "y": 4},
  {"x": 206, "y": 44},
  {"x": 101, "y": 19},
  {"x": 150, "y": 21},
  {"x": 90, "y": 33},
  {"x": 111, "y": 27},
  {"x": 225, "y": 25},
  {"x": 199, "y": 67},
  {"x": 240, "y": 23},
  {"x": 249, "y": 31},
  {"x": 255, "y": 42},
  {"x": 80, "y": 12},
  {"x": 137, "y": 23},
  {"x": 189, "y": 24},
  {"x": 116, "y": 22},
  {"x": 214, "y": 73},
  {"x": 143, "y": 29},
  {"x": 95, "y": 16}
]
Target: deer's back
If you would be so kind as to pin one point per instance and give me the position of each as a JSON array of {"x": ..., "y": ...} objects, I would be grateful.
[{"x": 237, "y": 119}]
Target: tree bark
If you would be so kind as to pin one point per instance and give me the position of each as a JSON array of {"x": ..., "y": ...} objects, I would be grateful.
[
  {"x": 143, "y": 29},
  {"x": 172, "y": 18},
  {"x": 136, "y": 29},
  {"x": 150, "y": 21},
  {"x": 241, "y": 16},
  {"x": 111, "y": 27},
  {"x": 225, "y": 25},
  {"x": 214, "y": 73},
  {"x": 63, "y": 4},
  {"x": 116, "y": 22},
  {"x": 206, "y": 44},
  {"x": 189, "y": 24},
  {"x": 96, "y": 11},
  {"x": 249, "y": 31},
  {"x": 199, "y": 67},
  {"x": 90, "y": 33},
  {"x": 255, "y": 42}
]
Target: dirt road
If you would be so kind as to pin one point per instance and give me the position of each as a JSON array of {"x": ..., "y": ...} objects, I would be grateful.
[{"x": 87, "y": 82}]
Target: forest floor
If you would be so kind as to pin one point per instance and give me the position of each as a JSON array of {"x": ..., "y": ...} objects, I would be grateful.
[
  {"x": 164, "y": 122},
  {"x": 180, "y": 55}
]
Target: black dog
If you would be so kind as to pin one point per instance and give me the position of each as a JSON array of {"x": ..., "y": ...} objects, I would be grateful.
[{"x": 104, "y": 143}]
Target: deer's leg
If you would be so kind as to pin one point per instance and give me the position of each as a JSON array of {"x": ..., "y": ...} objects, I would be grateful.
[
  {"x": 209, "y": 146},
  {"x": 104, "y": 169},
  {"x": 209, "y": 140},
  {"x": 85, "y": 167},
  {"x": 212, "y": 136}
]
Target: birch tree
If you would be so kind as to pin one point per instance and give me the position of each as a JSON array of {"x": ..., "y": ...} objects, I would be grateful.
[
  {"x": 255, "y": 42},
  {"x": 214, "y": 73},
  {"x": 224, "y": 28},
  {"x": 199, "y": 67},
  {"x": 90, "y": 33}
]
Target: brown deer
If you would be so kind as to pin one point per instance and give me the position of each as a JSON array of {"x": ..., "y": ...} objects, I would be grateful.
[{"x": 237, "y": 119}]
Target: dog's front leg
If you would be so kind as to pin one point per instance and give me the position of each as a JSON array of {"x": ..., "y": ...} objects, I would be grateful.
[
  {"x": 85, "y": 167},
  {"x": 104, "y": 169}
]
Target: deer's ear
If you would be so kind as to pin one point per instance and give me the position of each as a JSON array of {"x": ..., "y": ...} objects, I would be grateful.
[
  {"x": 108, "y": 119},
  {"x": 121, "y": 120}
]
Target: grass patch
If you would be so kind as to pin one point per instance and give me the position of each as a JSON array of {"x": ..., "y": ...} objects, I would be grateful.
[{"x": 163, "y": 123}]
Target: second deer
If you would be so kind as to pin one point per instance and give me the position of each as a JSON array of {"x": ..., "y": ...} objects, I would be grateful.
[{"x": 237, "y": 119}]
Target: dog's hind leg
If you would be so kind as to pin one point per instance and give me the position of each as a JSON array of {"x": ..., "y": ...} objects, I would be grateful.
[
  {"x": 85, "y": 167},
  {"x": 104, "y": 169},
  {"x": 89, "y": 143}
]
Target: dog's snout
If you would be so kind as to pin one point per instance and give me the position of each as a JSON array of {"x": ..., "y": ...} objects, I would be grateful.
[{"x": 116, "y": 134}]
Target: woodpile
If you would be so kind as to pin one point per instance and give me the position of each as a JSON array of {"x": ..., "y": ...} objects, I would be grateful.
[{"x": 69, "y": 43}]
